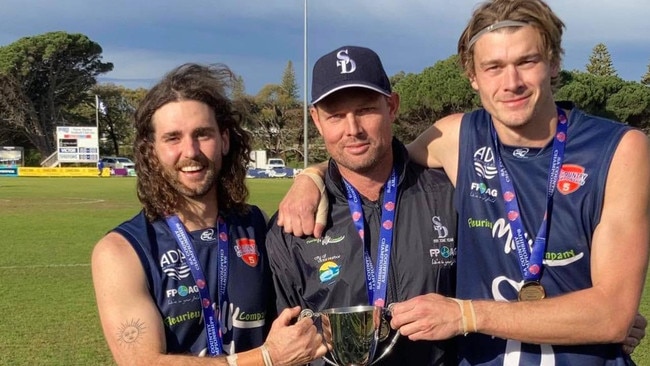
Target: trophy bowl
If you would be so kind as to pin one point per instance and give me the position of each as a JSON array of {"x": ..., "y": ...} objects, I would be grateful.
[{"x": 354, "y": 333}]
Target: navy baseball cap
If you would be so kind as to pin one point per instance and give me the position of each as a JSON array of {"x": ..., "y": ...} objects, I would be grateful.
[{"x": 346, "y": 67}]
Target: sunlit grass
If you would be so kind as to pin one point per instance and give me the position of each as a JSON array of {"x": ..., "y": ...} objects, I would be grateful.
[{"x": 49, "y": 227}]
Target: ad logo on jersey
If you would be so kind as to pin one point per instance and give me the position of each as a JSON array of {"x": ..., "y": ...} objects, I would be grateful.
[
  {"x": 483, "y": 192},
  {"x": 328, "y": 271},
  {"x": 571, "y": 178},
  {"x": 484, "y": 163},
  {"x": 246, "y": 249},
  {"x": 173, "y": 264}
]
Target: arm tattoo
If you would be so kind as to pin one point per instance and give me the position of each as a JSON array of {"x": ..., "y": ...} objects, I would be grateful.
[{"x": 130, "y": 332}]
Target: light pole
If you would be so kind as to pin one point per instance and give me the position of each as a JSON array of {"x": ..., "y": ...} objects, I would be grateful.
[{"x": 304, "y": 91}]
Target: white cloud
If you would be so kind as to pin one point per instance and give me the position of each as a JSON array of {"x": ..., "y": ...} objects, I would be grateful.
[{"x": 257, "y": 37}]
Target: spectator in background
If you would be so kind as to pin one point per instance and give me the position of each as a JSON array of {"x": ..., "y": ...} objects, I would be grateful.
[{"x": 100, "y": 167}]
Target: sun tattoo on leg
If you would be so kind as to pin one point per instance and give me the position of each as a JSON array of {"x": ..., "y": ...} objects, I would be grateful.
[{"x": 130, "y": 332}]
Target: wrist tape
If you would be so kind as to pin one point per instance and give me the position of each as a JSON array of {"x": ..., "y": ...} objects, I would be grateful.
[{"x": 468, "y": 316}]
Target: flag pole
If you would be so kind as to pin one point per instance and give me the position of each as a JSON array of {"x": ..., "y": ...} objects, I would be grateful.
[
  {"x": 97, "y": 112},
  {"x": 304, "y": 92}
]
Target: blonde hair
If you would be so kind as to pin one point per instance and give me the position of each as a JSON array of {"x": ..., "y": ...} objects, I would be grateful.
[{"x": 535, "y": 13}]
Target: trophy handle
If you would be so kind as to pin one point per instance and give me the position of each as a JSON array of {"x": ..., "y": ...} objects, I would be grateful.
[
  {"x": 307, "y": 313},
  {"x": 389, "y": 310},
  {"x": 327, "y": 360},
  {"x": 387, "y": 349}
]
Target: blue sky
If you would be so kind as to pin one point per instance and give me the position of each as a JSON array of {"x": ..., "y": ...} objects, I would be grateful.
[{"x": 256, "y": 38}]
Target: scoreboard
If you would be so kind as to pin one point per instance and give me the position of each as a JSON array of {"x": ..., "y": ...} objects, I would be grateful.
[{"x": 77, "y": 144}]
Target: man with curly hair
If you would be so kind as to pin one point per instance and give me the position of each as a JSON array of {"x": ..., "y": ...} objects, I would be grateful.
[{"x": 189, "y": 274}]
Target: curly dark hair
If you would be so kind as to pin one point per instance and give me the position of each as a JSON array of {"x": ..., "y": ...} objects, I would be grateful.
[{"x": 203, "y": 83}]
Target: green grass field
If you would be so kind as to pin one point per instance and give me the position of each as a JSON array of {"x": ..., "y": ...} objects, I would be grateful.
[{"x": 49, "y": 227}]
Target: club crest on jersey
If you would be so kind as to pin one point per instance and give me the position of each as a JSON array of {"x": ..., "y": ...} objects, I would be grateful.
[
  {"x": 571, "y": 178},
  {"x": 246, "y": 249}
]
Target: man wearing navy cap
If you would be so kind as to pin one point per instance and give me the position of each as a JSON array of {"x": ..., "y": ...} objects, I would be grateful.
[{"x": 373, "y": 188}]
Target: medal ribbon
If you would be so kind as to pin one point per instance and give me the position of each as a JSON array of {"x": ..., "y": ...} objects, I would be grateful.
[
  {"x": 376, "y": 278},
  {"x": 212, "y": 325},
  {"x": 530, "y": 260}
]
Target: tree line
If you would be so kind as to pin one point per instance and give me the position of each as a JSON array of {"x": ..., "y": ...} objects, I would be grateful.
[{"x": 50, "y": 80}]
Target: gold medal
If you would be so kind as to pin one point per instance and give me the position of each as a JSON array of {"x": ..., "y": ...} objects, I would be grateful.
[
  {"x": 384, "y": 328},
  {"x": 531, "y": 291}
]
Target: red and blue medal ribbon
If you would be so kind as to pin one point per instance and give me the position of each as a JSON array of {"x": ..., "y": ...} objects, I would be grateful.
[
  {"x": 530, "y": 260},
  {"x": 211, "y": 320},
  {"x": 377, "y": 277}
]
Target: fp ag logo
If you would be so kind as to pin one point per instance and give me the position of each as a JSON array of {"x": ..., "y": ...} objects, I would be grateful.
[
  {"x": 346, "y": 64},
  {"x": 483, "y": 192}
]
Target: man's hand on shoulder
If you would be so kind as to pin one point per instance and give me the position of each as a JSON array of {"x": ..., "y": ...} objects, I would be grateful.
[{"x": 303, "y": 210}]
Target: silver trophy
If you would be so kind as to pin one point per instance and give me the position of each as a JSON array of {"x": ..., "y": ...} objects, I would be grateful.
[{"x": 354, "y": 333}]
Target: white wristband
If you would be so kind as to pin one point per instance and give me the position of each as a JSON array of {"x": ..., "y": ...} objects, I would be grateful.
[
  {"x": 266, "y": 356},
  {"x": 232, "y": 360}
]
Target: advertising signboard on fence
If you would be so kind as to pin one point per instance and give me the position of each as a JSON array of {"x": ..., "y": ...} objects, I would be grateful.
[{"x": 11, "y": 157}]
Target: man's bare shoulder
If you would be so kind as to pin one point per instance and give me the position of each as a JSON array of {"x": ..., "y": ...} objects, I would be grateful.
[
  {"x": 112, "y": 249},
  {"x": 449, "y": 123}
]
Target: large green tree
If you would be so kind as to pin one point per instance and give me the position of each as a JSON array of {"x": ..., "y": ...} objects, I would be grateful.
[
  {"x": 608, "y": 96},
  {"x": 645, "y": 80},
  {"x": 238, "y": 88},
  {"x": 590, "y": 92},
  {"x": 289, "y": 86},
  {"x": 275, "y": 117},
  {"x": 631, "y": 104},
  {"x": 600, "y": 62},
  {"x": 116, "y": 129},
  {"x": 276, "y": 120},
  {"x": 42, "y": 79},
  {"x": 437, "y": 91}
]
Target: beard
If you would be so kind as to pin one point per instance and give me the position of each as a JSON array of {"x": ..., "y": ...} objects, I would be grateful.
[
  {"x": 365, "y": 166},
  {"x": 198, "y": 189}
]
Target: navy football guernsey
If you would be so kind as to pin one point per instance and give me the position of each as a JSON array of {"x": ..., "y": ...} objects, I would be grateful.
[
  {"x": 245, "y": 321},
  {"x": 488, "y": 267}
]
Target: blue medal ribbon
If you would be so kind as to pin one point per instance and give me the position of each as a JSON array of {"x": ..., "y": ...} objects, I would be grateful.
[
  {"x": 212, "y": 323},
  {"x": 530, "y": 260},
  {"x": 377, "y": 277}
]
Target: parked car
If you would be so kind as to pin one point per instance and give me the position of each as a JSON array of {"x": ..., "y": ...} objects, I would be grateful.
[
  {"x": 275, "y": 163},
  {"x": 118, "y": 162}
]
